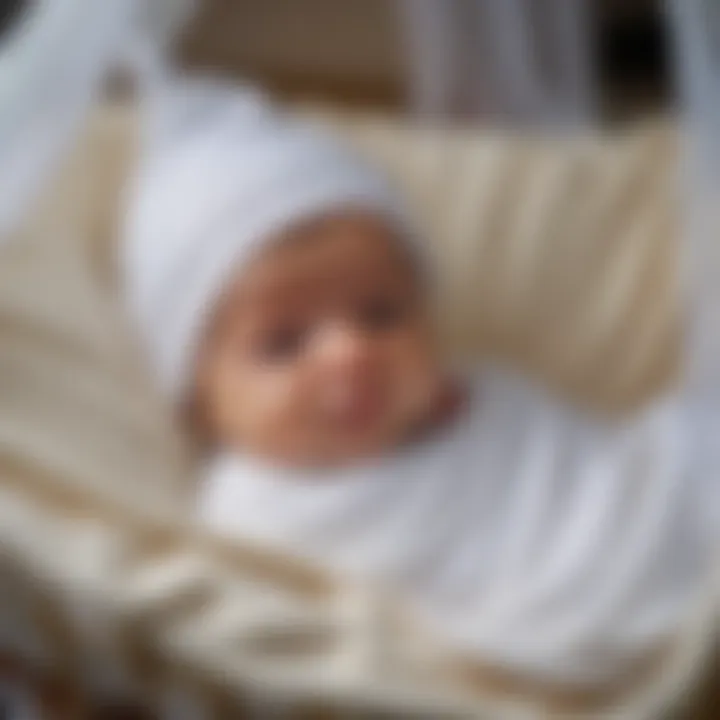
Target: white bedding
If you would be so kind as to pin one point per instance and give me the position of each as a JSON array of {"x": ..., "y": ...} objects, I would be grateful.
[{"x": 531, "y": 535}]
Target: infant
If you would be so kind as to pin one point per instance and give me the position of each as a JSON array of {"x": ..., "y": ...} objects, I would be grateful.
[{"x": 282, "y": 292}]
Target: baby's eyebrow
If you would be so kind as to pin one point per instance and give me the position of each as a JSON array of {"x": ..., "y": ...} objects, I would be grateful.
[
  {"x": 279, "y": 299},
  {"x": 271, "y": 303}
]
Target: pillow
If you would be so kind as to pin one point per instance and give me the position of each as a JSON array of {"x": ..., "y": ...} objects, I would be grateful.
[{"x": 557, "y": 254}]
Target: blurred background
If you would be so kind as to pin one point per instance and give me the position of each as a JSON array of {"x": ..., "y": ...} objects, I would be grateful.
[
  {"x": 526, "y": 60},
  {"x": 543, "y": 61}
]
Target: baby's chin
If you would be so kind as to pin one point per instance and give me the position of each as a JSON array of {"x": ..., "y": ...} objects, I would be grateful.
[
  {"x": 333, "y": 450},
  {"x": 356, "y": 449},
  {"x": 326, "y": 445}
]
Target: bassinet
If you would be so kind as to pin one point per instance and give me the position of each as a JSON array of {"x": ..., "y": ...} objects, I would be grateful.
[{"x": 557, "y": 254}]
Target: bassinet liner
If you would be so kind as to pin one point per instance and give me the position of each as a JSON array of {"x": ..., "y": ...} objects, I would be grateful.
[{"x": 559, "y": 255}]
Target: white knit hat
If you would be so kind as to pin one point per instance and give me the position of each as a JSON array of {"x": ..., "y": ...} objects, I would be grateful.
[{"x": 221, "y": 172}]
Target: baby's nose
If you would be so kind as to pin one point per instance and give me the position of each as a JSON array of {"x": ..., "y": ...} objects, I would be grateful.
[
  {"x": 347, "y": 377},
  {"x": 343, "y": 349}
]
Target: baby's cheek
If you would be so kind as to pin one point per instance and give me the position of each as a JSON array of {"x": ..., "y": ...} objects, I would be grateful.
[
  {"x": 280, "y": 403},
  {"x": 420, "y": 383},
  {"x": 412, "y": 356}
]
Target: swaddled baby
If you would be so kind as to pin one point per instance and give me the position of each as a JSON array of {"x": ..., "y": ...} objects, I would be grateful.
[{"x": 283, "y": 295}]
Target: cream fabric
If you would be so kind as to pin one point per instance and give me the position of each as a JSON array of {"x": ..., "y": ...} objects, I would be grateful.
[{"x": 98, "y": 566}]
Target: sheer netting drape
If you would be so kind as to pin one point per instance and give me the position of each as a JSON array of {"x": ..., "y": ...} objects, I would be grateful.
[
  {"x": 522, "y": 61},
  {"x": 695, "y": 28}
]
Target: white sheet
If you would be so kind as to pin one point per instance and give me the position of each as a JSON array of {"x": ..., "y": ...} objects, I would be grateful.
[{"x": 526, "y": 533}]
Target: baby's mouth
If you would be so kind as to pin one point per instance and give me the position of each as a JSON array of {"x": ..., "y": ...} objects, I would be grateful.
[{"x": 358, "y": 413}]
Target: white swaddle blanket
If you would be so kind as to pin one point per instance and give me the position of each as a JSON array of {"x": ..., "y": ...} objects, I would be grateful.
[{"x": 526, "y": 533}]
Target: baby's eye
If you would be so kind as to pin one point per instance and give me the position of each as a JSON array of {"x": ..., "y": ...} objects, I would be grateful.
[
  {"x": 382, "y": 313},
  {"x": 282, "y": 344}
]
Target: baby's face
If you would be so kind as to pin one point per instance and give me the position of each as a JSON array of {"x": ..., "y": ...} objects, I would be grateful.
[{"x": 321, "y": 351}]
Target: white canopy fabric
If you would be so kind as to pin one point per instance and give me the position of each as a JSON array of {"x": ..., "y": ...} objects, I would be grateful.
[
  {"x": 522, "y": 61},
  {"x": 696, "y": 26},
  {"x": 52, "y": 65}
]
